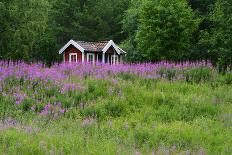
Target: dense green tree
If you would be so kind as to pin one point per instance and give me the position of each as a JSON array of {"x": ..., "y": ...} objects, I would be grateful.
[
  {"x": 217, "y": 39},
  {"x": 202, "y": 7},
  {"x": 130, "y": 27},
  {"x": 35, "y": 30},
  {"x": 202, "y": 10},
  {"x": 165, "y": 29},
  {"x": 22, "y": 24},
  {"x": 96, "y": 20}
]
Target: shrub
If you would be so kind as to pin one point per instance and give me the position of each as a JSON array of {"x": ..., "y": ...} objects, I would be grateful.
[
  {"x": 94, "y": 112},
  {"x": 26, "y": 104},
  {"x": 126, "y": 76},
  {"x": 226, "y": 79},
  {"x": 198, "y": 74},
  {"x": 95, "y": 89},
  {"x": 115, "y": 108},
  {"x": 141, "y": 137},
  {"x": 148, "y": 82}
]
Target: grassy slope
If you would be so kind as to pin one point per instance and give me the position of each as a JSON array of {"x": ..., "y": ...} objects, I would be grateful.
[{"x": 142, "y": 115}]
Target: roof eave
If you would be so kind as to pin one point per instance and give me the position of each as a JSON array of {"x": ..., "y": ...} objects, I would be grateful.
[
  {"x": 109, "y": 44},
  {"x": 71, "y": 42}
]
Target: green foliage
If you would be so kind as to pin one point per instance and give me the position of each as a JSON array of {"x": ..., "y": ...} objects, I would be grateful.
[
  {"x": 115, "y": 108},
  {"x": 168, "y": 73},
  {"x": 130, "y": 27},
  {"x": 200, "y": 74},
  {"x": 35, "y": 30},
  {"x": 134, "y": 113},
  {"x": 126, "y": 76},
  {"x": 216, "y": 40},
  {"x": 225, "y": 79},
  {"x": 167, "y": 34},
  {"x": 22, "y": 24}
]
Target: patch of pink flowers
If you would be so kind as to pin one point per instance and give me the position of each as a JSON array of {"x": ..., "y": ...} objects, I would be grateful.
[
  {"x": 59, "y": 72},
  {"x": 67, "y": 87},
  {"x": 53, "y": 110},
  {"x": 19, "y": 97},
  {"x": 60, "y": 77}
]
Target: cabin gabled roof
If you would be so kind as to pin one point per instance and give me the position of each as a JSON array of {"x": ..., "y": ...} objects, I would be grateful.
[
  {"x": 93, "y": 46},
  {"x": 101, "y": 46}
]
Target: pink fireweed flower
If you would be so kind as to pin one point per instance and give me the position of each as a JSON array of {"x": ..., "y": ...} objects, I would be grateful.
[
  {"x": 87, "y": 122},
  {"x": 48, "y": 106},
  {"x": 68, "y": 87},
  {"x": 44, "y": 113},
  {"x": 115, "y": 81},
  {"x": 62, "y": 91},
  {"x": 62, "y": 110},
  {"x": 33, "y": 108},
  {"x": 53, "y": 109},
  {"x": 46, "y": 110},
  {"x": 58, "y": 104},
  {"x": 10, "y": 122},
  {"x": 17, "y": 102},
  {"x": 19, "y": 97}
]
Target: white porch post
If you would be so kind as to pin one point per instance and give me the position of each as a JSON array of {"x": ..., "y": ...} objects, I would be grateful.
[
  {"x": 83, "y": 57},
  {"x": 121, "y": 61},
  {"x": 64, "y": 58},
  {"x": 97, "y": 59},
  {"x": 103, "y": 57},
  {"x": 114, "y": 58}
]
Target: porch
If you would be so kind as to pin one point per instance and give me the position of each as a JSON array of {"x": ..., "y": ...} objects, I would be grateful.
[{"x": 96, "y": 58}]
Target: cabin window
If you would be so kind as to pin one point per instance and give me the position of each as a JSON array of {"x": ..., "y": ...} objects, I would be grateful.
[
  {"x": 114, "y": 59},
  {"x": 73, "y": 57},
  {"x": 90, "y": 58},
  {"x": 99, "y": 57}
]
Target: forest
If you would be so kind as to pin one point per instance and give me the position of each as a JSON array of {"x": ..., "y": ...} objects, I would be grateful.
[{"x": 149, "y": 30}]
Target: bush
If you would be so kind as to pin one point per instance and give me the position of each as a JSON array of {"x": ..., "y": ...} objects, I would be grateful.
[
  {"x": 26, "y": 104},
  {"x": 226, "y": 79},
  {"x": 95, "y": 89},
  {"x": 115, "y": 108},
  {"x": 200, "y": 74},
  {"x": 126, "y": 76},
  {"x": 168, "y": 73},
  {"x": 141, "y": 137},
  {"x": 93, "y": 111}
]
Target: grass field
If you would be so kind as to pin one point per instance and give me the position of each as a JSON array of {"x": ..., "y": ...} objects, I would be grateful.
[{"x": 137, "y": 109}]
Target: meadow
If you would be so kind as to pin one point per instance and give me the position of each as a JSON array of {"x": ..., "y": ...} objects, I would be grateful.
[{"x": 161, "y": 108}]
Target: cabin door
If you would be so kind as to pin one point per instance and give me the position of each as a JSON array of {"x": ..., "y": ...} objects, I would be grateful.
[
  {"x": 73, "y": 57},
  {"x": 90, "y": 58}
]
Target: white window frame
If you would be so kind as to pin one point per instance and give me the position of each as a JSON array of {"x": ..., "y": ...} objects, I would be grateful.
[
  {"x": 88, "y": 54},
  {"x": 70, "y": 57},
  {"x": 113, "y": 60}
]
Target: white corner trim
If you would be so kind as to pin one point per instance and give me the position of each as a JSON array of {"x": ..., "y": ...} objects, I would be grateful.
[
  {"x": 122, "y": 50},
  {"x": 103, "y": 58},
  {"x": 71, "y": 42},
  {"x": 109, "y": 44},
  {"x": 83, "y": 57}
]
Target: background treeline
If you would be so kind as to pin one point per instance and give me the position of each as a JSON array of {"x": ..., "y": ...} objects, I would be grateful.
[{"x": 149, "y": 30}]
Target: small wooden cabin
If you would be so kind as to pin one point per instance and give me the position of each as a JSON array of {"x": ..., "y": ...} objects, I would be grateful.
[{"x": 92, "y": 52}]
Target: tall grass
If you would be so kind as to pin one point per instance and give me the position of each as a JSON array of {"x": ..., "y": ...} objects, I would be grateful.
[{"x": 132, "y": 109}]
